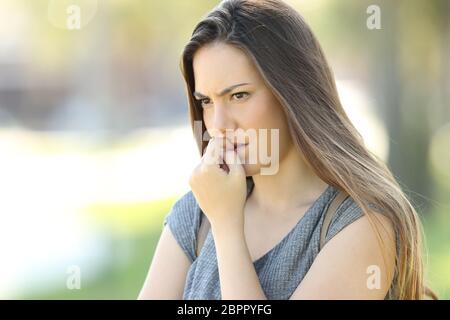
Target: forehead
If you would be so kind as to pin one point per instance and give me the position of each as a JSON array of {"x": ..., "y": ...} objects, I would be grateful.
[{"x": 219, "y": 65}]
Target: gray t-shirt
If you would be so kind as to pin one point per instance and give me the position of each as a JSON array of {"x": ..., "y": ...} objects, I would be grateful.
[{"x": 280, "y": 270}]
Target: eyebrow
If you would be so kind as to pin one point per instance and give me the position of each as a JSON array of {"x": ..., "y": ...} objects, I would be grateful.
[{"x": 224, "y": 91}]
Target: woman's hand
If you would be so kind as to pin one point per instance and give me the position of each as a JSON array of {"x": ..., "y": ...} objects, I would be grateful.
[{"x": 219, "y": 184}]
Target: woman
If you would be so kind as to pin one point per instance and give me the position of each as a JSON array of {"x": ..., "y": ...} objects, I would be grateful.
[{"x": 254, "y": 65}]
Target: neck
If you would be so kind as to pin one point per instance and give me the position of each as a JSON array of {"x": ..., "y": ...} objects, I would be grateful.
[{"x": 295, "y": 185}]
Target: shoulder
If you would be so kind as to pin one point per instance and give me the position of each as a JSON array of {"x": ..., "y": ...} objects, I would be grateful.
[
  {"x": 367, "y": 240},
  {"x": 346, "y": 213},
  {"x": 183, "y": 220},
  {"x": 349, "y": 214},
  {"x": 354, "y": 263},
  {"x": 183, "y": 208},
  {"x": 362, "y": 225}
]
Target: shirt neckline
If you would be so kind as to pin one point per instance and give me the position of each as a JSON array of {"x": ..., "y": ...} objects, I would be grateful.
[{"x": 328, "y": 190}]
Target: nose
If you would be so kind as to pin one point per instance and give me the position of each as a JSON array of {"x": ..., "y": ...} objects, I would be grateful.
[{"x": 222, "y": 121}]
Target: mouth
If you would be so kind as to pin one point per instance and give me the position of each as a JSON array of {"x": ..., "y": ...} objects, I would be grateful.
[{"x": 239, "y": 145}]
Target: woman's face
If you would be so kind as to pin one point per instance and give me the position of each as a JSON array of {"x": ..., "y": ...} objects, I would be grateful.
[{"x": 248, "y": 105}]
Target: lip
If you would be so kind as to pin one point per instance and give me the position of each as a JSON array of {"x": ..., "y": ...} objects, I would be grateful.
[{"x": 236, "y": 146}]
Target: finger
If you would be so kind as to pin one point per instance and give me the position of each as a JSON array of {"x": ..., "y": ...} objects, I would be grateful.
[
  {"x": 229, "y": 145},
  {"x": 234, "y": 162},
  {"x": 213, "y": 154},
  {"x": 224, "y": 143}
]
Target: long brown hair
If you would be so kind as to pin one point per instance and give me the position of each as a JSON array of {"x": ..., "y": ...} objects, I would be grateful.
[{"x": 292, "y": 63}]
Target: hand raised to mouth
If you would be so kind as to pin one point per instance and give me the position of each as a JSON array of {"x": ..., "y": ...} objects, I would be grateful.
[{"x": 218, "y": 183}]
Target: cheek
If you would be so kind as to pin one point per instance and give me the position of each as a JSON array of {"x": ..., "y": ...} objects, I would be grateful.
[
  {"x": 258, "y": 114},
  {"x": 207, "y": 119},
  {"x": 266, "y": 113}
]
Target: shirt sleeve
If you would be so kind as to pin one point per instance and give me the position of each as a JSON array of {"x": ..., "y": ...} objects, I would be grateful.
[
  {"x": 183, "y": 220},
  {"x": 347, "y": 212}
]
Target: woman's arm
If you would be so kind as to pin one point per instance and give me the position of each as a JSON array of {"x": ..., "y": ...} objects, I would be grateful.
[
  {"x": 167, "y": 273},
  {"x": 348, "y": 267},
  {"x": 351, "y": 265},
  {"x": 238, "y": 277}
]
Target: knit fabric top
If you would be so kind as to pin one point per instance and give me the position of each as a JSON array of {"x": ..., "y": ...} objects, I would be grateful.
[{"x": 281, "y": 269}]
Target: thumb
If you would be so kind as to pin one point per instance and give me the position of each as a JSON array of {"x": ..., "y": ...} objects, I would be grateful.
[{"x": 234, "y": 162}]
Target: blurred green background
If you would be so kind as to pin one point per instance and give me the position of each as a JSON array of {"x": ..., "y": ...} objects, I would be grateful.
[{"x": 95, "y": 146}]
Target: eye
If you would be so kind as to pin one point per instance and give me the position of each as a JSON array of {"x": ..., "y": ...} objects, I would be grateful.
[
  {"x": 240, "y": 95},
  {"x": 204, "y": 102}
]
